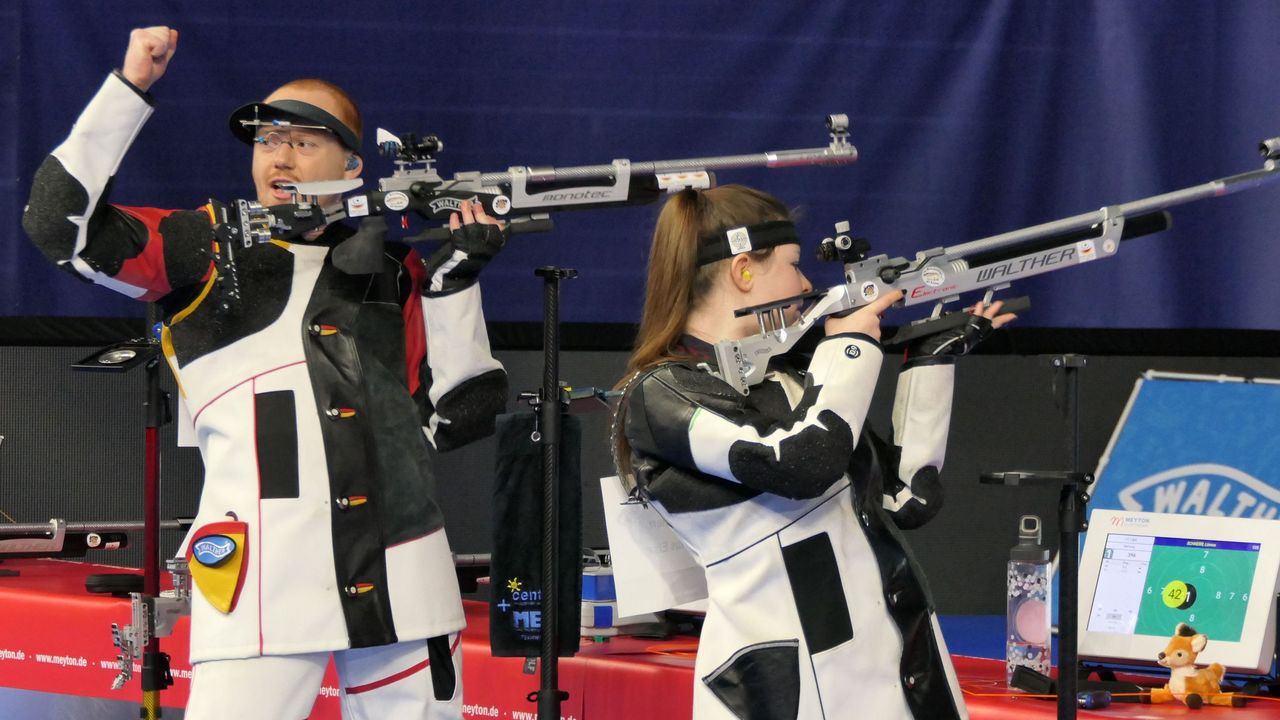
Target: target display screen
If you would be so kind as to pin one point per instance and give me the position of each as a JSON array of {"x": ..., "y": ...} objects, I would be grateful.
[
  {"x": 1148, "y": 584},
  {"x": 1143, "y": 573}
]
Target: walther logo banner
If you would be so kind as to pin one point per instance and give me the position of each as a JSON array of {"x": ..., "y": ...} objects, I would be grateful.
[{"x": 1196, "y": 445}]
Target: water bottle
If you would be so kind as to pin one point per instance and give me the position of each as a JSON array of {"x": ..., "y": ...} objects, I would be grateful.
[{"x": 1027, "y": 625}]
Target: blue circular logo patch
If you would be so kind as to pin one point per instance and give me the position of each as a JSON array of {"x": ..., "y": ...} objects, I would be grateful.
[{"x": 213, "y": 550}]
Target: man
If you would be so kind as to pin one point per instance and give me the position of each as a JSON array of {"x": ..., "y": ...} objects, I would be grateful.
[{"x": 315, "y": 413}]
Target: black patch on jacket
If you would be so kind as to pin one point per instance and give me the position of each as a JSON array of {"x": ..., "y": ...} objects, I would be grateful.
[
  {"x": 770, "y": 400},
  {"x": 276, "y": 437},
  {"x": 806, "y": 464},
  {"x": 406, "y": 483},
  {"x": 925, "y": 485},
  {"x": 266, "y": 281},
  {"x": 819, "y": 593},
  {"x": 760, "y": 682},
  {"x": 444, "y": 677},
  {"x": 922, "y": 508},
  {"x": 404, "y": 459},
  {"x": 55, "y": 194},
  {"x": 656, "y": 396},
  {"x": 188, "y": 237},
  {"x": 681, "y": 491},
  {"x": 470, "y": 409}
]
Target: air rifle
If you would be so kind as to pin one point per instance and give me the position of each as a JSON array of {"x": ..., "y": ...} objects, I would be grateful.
[
  {"x": 522, "y": 196},
  {"x": 940, "y": 275}
]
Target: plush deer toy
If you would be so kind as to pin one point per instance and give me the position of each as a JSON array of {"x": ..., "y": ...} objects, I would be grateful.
[{"x": 1192, "y": 686}]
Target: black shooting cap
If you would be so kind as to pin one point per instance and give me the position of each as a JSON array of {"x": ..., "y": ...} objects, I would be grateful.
[{"x": 244, "y": 127}]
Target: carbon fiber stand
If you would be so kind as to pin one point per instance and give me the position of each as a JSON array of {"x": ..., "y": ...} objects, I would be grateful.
[{"x": 549, "y": 695}]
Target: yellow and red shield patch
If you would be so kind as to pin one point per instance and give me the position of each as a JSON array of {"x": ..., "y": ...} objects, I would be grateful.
[{"x": 218, "y": 557}]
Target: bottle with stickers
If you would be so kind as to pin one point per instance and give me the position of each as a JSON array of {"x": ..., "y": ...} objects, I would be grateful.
[{"x": 1027, "y": 640}]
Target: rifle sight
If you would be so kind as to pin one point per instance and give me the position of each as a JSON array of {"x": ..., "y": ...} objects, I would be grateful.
[
  {"x": 1270, "y": 149},
  {"x": 412, "y": 149},
  {"x": 843, "y": 248}
]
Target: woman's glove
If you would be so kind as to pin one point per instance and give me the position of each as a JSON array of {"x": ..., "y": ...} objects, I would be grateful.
[
  {"x": 982, "y": 320},
  {"x": 956, "y": 341}
]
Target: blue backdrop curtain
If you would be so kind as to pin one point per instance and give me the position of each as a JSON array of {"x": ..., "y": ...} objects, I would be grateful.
[{"x": 971, "y": 118}]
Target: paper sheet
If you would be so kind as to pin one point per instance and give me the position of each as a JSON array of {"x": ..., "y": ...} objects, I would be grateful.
[{"x": 652, "y": 570}]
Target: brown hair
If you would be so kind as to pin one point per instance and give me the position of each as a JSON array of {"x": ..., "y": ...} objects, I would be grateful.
[
  {"x": 347, "y": 110},
  {"x": 675, "y": 285}
]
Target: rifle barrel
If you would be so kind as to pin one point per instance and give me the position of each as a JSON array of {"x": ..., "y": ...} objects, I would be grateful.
[
  {"x": 1213, "y": 188},
  {"x": 839, "y": 155},
  {"x": 50, "y": 528}
]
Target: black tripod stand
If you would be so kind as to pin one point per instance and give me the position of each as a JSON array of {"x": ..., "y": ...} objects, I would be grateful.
[{"x": 1072, "y": 520}]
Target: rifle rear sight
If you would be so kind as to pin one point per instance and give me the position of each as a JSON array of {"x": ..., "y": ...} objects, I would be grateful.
[
  {"x": 411, "y": 149},
  {"x": 1270, "y": 148},
  {"x": 842, "y": 248}
]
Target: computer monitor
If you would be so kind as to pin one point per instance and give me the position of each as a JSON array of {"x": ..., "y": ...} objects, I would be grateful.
[{"x": 1143, "y": 573}]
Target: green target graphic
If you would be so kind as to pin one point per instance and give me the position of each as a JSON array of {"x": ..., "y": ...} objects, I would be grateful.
[{"x": 1202, "y": 583}]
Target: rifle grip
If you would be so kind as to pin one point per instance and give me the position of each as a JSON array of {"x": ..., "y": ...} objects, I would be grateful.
[
  {"x": 907, "y": 333},
  {"x": 535, "y": 223},
  {"x": 435, "y": 234}
]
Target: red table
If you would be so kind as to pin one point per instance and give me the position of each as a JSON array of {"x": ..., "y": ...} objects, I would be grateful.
[{"x": 56, "y": 638}]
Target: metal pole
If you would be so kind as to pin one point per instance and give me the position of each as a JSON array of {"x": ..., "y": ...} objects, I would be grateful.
[
  {"x": 1070, "y": 365},
  {"x": 151, "y": 481},
  {"x": 1068, "y": 588},
  {"x": 549, "y": 693},
  {"x": 49, "y": 528},
  {"x": 1070, "y": 520},
  {"x": 155, "y": 665}
]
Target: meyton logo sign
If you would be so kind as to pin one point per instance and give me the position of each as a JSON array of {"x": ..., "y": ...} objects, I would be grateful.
[
  {"x": 1203, "y": 489},
  {"x": 1118, "y": 520}
]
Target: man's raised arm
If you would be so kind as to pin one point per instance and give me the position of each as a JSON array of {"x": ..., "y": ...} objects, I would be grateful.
[{"x": 67, "y": 215}]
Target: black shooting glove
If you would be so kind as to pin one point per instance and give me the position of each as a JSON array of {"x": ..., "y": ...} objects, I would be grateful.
[
  {"x": 953, "y": 342},
  {"x": 457, "y": 264}
]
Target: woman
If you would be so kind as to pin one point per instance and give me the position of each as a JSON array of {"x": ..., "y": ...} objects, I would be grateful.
[{"x": 816, "y": 608}]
